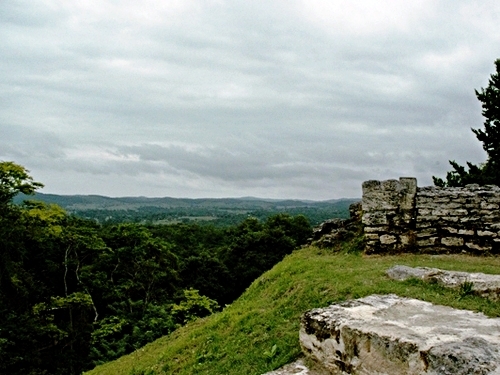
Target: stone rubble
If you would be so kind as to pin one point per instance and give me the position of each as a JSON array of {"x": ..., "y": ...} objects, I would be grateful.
[
  {"x": 482, "y": 284},
  {"x": 330, "y": 232},
  {"x": 390, "y": 335}
]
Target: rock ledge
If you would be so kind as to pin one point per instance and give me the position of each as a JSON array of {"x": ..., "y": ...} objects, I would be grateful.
[{"x": 393, "y": 335}]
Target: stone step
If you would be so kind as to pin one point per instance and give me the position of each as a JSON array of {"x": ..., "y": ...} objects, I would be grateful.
[{"x": 392, "y": 335}]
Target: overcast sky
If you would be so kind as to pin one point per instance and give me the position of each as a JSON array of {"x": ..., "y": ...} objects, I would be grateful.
[{"x": 275, "y": 99}]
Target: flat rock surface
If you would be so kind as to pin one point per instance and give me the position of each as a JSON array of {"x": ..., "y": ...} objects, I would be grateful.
[
  {"x": 482, "y": 284},
  {"x": 393, "y": 335}
]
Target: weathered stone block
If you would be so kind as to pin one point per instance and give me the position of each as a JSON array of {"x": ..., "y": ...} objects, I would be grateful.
[
  {"x": 427, "y": 232},
  {"x": 489, "y": 206},
  {"x": 466, "y": 232},
  {"x": 486, "y": 233},
  {"x": 427, "y": 218},
  {"x": 375, "y": 218},
  {"x": 452, "y": 219},
  {"x": 387, "y": 239},
  {"x": 393, "y": 335},
  {"x": 477, "y": 247},
  {"x": 376, "y": 229},
  {"x": 427, "y": 241},
  {"x": 452, "y": 241}
]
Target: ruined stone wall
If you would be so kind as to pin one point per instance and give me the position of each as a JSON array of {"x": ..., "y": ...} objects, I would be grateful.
[{"x": 400, "y": 217}]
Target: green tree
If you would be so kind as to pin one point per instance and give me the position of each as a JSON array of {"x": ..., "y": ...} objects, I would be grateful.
[
  {"x": 15, "y": 179},
  {"x": 488, "y": 172}
]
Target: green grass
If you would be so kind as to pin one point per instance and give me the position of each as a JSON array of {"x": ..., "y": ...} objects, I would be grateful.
[{"x": 259, "y": 331}]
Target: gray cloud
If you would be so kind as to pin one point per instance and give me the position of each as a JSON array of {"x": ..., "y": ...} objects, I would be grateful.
[{"x": 217, "y": 98}]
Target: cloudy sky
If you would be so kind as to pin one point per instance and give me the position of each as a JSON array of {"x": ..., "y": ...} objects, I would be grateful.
[{"x": 275, "y": 98}]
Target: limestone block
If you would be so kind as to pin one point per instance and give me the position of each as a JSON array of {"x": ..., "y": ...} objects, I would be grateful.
[
  {"x": 452, "y": 241},
  {"x": 393, "y": 335},
  {"x": 376, "y": 229},
  {"x": 423, "y": 224},
  {"x": 451, "y": 230},
  {"x": 424, "y": 211},
  {"x": 379, "y": 202},
  {"x": 466, "y": 232},
  {"x": 374, "y": 218},
  {"x": 470, "y": 219},
  {"x": 427, "y": 241},
  {"x": 427, "y": 232},
  {"x": 452, "y": 205},
  {"x": 390, "y": 185},
  {"x": 489, "y": 206},
  {"x": 371, "y": 185},
  {"x": 475, "y": 246},
  {"x": 486, "y": 233},
  {"x": 387, "y": 239},
  {"x": 491, "y": 218},
  {"x": 407, "y": 190},
  {"x": 427, "y": 218}
]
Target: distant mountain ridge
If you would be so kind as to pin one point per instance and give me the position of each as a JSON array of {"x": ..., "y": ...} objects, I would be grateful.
[{"x": 168, "y": 209}]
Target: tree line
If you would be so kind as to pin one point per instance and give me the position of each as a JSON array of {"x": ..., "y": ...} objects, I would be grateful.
[{"x": 75, "y": 293}]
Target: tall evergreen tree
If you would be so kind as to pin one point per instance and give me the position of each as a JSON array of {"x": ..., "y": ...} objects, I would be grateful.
[{"x": 489, "y": 172}]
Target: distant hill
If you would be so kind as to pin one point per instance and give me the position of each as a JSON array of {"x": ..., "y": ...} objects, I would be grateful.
[{"x": 219, "y": 211}]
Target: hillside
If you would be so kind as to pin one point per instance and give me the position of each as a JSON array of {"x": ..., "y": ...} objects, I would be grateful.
[
  {"x": 259, "y": 331},
  {"x": 222, "y": 211}
]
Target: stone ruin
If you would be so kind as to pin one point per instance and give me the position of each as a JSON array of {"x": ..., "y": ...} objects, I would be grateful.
[
  {"x": 398, "y": 217},
  {"x": 391, "y": 335}
]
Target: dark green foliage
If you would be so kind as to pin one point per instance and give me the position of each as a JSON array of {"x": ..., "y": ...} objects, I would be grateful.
[
  {"x": 74, "y": 293},
  {"x": 489, "y": 172},
  {"x": 256, "y": 247}
]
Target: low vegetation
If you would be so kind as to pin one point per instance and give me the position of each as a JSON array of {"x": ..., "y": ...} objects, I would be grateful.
[{"x": 259, "y": 331}]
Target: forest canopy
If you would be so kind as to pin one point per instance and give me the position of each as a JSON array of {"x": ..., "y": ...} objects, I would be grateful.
[{"x": 75, "y": 293}]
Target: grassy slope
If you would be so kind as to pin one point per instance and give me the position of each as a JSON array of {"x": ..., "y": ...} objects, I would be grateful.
[{"x": 235, "y": 340}]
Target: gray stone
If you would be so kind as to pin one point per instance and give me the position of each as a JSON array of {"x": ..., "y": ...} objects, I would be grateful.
[
  {"x": 387, "y": 239},
  {"x": 375, "y": 218},
  {"x": 466, "y": 232},
  {"x": 452, "y": 241},
  {"x": 402, "y": 273},
  {"x": 483, "y": 233},
  {"x": 483, "y": 284},
  {"x": 386, "y": 335}
]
